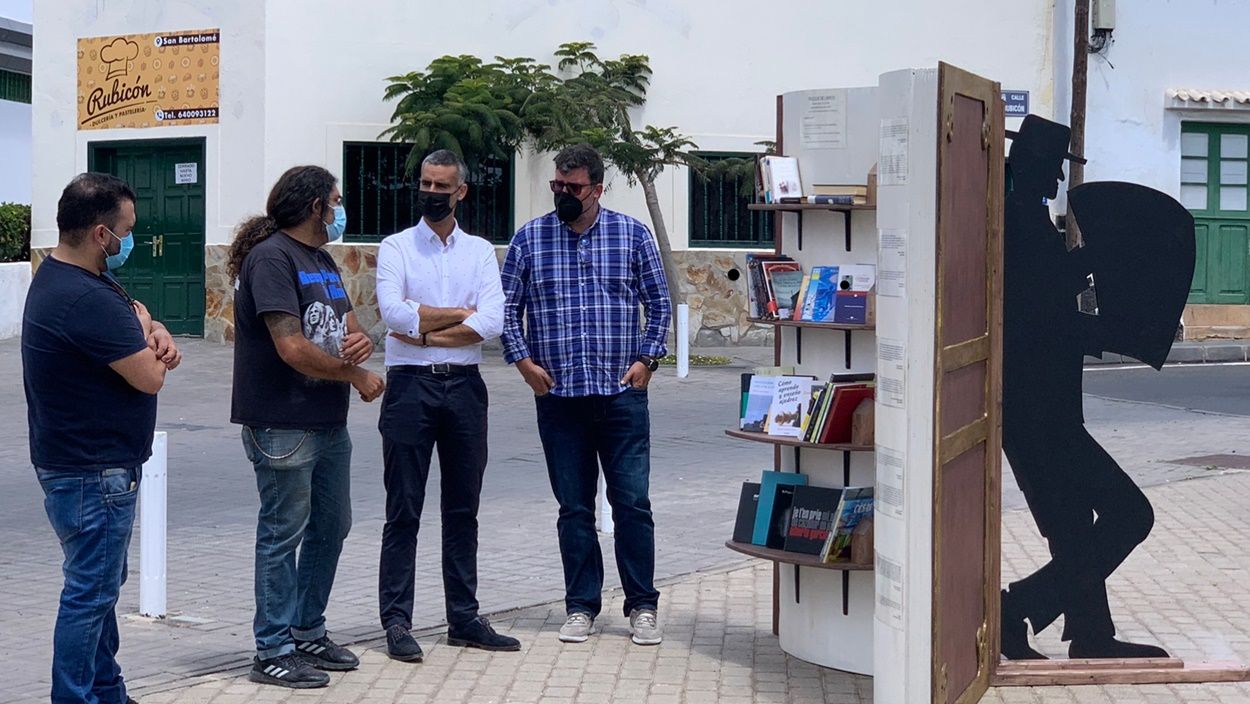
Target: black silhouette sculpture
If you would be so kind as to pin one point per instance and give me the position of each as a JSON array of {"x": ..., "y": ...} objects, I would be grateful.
[{"x": 1140, "y": 254}]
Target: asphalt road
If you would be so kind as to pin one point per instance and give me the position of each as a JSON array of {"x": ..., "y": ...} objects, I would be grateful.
[{"x": 1211, "y": 388}]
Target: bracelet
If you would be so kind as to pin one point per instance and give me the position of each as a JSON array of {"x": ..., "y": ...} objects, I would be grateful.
[{"x": 423, "y": 342}]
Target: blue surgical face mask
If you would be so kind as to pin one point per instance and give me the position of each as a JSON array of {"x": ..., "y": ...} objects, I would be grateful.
[
  {"x": 115, "y": 261},
  {"x": 334, "y": 230}
]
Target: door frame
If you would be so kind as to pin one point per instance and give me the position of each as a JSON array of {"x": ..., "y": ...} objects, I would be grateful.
[{"x": 94, "y": 148}]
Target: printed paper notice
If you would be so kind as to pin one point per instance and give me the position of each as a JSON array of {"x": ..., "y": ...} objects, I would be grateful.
[
  {"x": 186, "y": 173},
  {"x": 892, "y": 167},
  {"x": 823, "y": 124},
  {"x": 890, "y": 481},
  {"x": 889, "y": 592},
  {"x": 892, "y": 263},
  {"x": 891, "y": 371}
]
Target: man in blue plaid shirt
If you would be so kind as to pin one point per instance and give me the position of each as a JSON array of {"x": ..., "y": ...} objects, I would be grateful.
[{"x": 577, "y": 275}]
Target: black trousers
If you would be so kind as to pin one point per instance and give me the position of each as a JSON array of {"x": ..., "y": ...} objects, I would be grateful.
[
  {"x": 1090, "y": 512},
  {"x": 421, "y": 411}
]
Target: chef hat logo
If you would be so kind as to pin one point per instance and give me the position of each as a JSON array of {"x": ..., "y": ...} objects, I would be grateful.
[{"x": 117, "y": 55}]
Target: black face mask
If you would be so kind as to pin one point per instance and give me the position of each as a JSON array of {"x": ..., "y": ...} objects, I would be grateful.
[
  {"x": 434, "y": 206},
  {"x": 568, "y": 207}
]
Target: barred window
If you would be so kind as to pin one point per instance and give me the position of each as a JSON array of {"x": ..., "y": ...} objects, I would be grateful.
[
  {"x": 14, "y": 86},
  {"x": 718, "y": 208},
  {"x": 381, "y": 198}
]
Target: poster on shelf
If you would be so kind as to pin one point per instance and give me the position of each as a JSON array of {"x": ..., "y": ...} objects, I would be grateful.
[
  {"x": 892, "y": 164},
  {"x": 891, "y": 371},
  {"x": 890, "y": 463},
  {"x": 822, "y": 125},
  {"x": 892, "y": 263}
]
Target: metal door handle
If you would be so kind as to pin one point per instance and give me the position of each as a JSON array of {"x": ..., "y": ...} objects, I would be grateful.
[{"x": 158, "y": 246}]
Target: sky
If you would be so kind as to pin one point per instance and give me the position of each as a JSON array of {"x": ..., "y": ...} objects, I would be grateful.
[{"x": 20, "y": 10}]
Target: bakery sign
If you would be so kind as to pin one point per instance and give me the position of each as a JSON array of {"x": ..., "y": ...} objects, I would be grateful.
[{"x": 149, "y": 80}]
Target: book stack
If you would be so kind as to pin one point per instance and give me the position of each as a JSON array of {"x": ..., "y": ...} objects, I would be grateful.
[
  {"x": 782, "y": 404},
  {"x": 783, "y": 512},
  {"x": 773, "y": 282},
  {"x": 835, "y": 294},
  {"x": 833, "y": 409},
  {"x": 831, "y": 194}
]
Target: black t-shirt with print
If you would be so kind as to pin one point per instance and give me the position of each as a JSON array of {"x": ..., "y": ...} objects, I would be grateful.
[{"x": 284, "y": 275}]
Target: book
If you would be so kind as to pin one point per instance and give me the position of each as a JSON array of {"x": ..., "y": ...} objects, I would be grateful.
[
  {"x": 744, "y": 524},
  {"x": 770, "y": 269},
  {"x": 855, "y": 504},
  {"x": 834, "y": 189},
  {"x": 790, "y": 401},
  {"x": 757, "y": 292},
  {"x": 846, "y": 398},
  {"x": 781, "y": 176},
  {"x": 746, "y": 386},
  {"x": 812, "y": 513},
  {"x": 779, "y": 521},
  {"x": 797, "y": 313},
  {"x": 818, "y": 303},
  {"x": 835, "y": 200},
  {"x": 818, "y": 394},
  {"x": 851, "y": 301},
  {"x": 769, "y": 482},
  {"x": 819, "y": 415},
  {"x": 786, "y": 285},
  {"x": 759, "y": 402}
]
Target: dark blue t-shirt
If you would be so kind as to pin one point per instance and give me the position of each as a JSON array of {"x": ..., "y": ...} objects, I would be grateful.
[{"x": 83, "y": 415}]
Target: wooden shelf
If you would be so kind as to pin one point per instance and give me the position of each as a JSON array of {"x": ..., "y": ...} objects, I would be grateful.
[
  {"x": 793, "y": 442},
  {"x": 793, "y": 558},
  {"x": 809, "y": 324},
  {"x": 799, "y": 207}
]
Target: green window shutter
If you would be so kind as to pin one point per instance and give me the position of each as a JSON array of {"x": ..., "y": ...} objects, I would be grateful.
[
  {"x": 381, "y": 198},
  {"x": 718, "y": 208},
  {"x": 15, "y": 87}
]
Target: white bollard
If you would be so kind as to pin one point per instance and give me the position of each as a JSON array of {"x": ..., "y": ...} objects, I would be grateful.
[
  {"x": 152, "y": 518},
  {"x": 606, "y": 526},
  {"x": 683, "y": 341}
]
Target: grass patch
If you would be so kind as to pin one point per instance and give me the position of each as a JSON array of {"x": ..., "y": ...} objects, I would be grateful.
[{"x": 697, "y": 360}]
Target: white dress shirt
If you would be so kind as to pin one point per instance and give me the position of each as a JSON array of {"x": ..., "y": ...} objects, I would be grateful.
[{"x": 416, "y": 268}]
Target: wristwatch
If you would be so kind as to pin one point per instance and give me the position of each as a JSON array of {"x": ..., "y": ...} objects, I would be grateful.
[{"x": 650, "y": 362}]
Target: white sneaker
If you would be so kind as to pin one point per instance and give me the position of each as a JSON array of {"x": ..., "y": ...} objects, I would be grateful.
[
  {"x": 578, "y": 627},
  {"x": 644, "y": 627}
]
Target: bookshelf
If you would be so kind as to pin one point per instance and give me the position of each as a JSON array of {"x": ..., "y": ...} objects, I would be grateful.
[{"x": 823, "y": 613}]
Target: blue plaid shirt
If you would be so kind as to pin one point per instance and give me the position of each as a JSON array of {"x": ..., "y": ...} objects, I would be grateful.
[{"x": 579, "y": 295}]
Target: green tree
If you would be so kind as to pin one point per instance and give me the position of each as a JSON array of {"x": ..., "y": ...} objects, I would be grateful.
[{"x": 482, "y": 110}]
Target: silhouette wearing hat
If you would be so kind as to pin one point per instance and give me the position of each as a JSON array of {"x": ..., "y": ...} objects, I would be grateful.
[{"x": 1087, "y": 508}]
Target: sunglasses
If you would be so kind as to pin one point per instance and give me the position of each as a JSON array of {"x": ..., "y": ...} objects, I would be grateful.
[{"x": 573, "y": 189}]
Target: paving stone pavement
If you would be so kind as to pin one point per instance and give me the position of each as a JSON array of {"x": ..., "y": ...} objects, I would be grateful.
[
  {"x": 696, "y": 475},
  {"x": 1187, "y": 588}
]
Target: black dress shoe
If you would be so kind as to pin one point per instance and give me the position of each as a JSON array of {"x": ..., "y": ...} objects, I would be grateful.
[
  {"x": 1014, "y": 642},
  {"x": 401, "y": 646},
  {"x": 1112, "y": 648},
  {"x": 479, "y": 634},
  {"x": 325, "y": 654}
]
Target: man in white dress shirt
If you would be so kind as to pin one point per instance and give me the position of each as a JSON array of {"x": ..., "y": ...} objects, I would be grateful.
[{"x": 440, "y": 296}]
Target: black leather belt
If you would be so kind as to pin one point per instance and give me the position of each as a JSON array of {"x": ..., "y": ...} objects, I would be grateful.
[{"x": 437, "y": 369}]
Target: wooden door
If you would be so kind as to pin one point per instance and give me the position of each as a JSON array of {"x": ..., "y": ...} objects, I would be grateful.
[
  {"x": 967, "y": 435},
  {"x": 1214, "y": 165},
  {"x": 166, "y": 268}
]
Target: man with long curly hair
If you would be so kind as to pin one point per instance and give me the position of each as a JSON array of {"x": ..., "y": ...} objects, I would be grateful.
[{"x": 298, "y": 350}]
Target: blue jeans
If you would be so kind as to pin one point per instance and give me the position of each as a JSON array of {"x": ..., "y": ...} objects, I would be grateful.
[
  {"x": 93, "y": 514},
  {"x": 304, "y": 479},
  {"x": 579, "y": 434}
]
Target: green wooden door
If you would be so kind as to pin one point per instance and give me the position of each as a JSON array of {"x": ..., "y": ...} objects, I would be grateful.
[
  {"x": 1214, "y": 187},
  {"x": 166, "y": 268}
]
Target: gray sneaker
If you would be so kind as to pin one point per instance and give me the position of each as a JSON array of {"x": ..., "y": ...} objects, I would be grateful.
[
  {"x": 577, "y": 628},
  {"x": 645, "y": 627}
]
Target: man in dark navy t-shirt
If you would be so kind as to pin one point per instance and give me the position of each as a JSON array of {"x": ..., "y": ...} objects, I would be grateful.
[{"x": 92, "y": 362}]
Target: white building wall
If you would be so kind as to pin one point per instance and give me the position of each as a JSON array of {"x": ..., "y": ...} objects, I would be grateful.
[
  {"x": 234, "y": 148},
  {"x": 15, "y": 152},
  {"x": 718, "y": 64},
  {"x": 1159, "y": 44}
]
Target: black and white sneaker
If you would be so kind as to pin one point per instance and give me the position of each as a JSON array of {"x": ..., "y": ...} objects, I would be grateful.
[
  {"x": 287, "y": 671},
  {"x": 325, "y": 654}
]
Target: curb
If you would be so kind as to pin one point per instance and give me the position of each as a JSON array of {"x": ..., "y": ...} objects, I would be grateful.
[{"x": 1187, "y": 353}]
